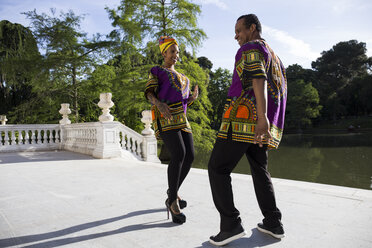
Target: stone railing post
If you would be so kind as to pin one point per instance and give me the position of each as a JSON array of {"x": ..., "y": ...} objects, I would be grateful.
[
  {"x": 108, "y": 140},
  {"x": 65, "y": 111},
  {"x": 105, "y": 104},
  {"x": 150, "y": 146},
  {"x": 108, "y": 143},
  {"x": 3, "y": 119}
]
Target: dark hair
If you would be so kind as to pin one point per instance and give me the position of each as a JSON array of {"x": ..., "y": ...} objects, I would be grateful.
[{"x": 251, "y": 19}]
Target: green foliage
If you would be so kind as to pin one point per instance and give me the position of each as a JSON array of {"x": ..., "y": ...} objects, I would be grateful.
[
  {"x": 205, "y": 63},
  {"x": 69, "y": 57},
  {"x": 336, "y": 71},
  {"x": 204, "y": 136},
  {"x": 137, "y": 20},
  {"x": 18, "y": 66},
  {"x": 217, "y": 92},
  {"x": 302, "y": 104}
]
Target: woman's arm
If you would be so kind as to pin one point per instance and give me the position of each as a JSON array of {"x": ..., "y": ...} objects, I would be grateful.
[{"x": 163, "y": 107}]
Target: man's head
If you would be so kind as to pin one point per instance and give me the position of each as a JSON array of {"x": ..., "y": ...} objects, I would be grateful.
[{"x": 247, "y": 28}]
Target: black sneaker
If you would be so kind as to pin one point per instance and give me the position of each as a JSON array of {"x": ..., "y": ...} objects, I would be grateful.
[
  {"x": 276, "y": 232},
  {"x": 223, "y": 238}
]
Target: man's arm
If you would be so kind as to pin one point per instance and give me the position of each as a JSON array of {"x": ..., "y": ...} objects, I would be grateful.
[{"x": 262, "y": 129}]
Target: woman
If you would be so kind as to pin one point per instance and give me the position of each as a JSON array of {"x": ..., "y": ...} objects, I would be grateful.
[{"x": 169, "y": 93}]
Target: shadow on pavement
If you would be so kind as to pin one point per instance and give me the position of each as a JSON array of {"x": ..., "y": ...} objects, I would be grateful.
[
  {"x": 22, "y": 240},
  {"x": 257, "y": 239},
  {"x": 22, "y": 157}
]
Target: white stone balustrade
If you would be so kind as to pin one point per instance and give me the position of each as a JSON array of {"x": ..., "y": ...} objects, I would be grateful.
[
  {"x": 104, "y": 139},
  {"x": 29, "y": 137}
]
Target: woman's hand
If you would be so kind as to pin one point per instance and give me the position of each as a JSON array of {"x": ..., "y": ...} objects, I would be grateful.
[
  {"x": 164, "y": 110},
  {"x": 195, "y": 94},
  {"x": 162, "y": 107}
]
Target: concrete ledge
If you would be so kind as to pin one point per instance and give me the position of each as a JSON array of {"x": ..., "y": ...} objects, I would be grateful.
[{"x": 52, "y": 199}]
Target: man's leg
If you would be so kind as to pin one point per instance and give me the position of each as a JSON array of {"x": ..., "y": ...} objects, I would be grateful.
[
  {"x": 258, "y": 160},
  {"x": 225, "y": 156}
]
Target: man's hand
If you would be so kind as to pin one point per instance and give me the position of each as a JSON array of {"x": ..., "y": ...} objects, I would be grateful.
[{"x": 262, "y": 130}]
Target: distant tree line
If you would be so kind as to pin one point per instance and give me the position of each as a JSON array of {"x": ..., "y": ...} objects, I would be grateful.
[{"x": 54, "y": 61}]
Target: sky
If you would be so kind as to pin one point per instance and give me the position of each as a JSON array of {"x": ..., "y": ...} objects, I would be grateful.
[{"x": 297, "y": 30}]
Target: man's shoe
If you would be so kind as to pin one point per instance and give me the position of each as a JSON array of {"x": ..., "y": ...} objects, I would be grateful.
[
  {"x": 276, "y": 232},
  {"x": 223, "y": 238}
]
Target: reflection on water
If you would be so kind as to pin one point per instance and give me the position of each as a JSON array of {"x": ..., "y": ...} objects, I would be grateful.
[{"x": 341, "y": 159}]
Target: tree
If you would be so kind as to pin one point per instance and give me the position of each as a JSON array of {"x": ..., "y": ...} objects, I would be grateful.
[
  {"x": 18, "y": 59},
  {"x": 205, "y": 63},
  {"x": 295, "y": 72},
  {"x": 303, "y": 104},
  {"x": 217, "y": 92},
  {"x": 204, "y": 136},
  {"x": 138, "y": 20},
  {"x": 336, "y": 70},
  {"x": 69, "y": 55}
]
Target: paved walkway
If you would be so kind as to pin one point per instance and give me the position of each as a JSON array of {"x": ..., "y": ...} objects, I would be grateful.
[{"x": 53, "y": 199}]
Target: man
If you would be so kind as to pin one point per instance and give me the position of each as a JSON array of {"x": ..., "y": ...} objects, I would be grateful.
[{"x": 252, "y": 123}]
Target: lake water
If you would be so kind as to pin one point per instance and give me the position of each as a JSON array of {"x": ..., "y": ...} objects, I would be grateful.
[{"x": 337, "y": 159}]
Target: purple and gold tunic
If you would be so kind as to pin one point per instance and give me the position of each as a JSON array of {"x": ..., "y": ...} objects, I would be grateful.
[
  {"x": 172, "y": 88},
  {"x": 255, "y": 59}
]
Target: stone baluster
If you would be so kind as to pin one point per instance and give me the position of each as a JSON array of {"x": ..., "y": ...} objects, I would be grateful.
[
  {"x": 105, "y": 104},
  {"x": 3, "y": 119},
  {"x": 14, "y": 137},
  {"x": 138, "y": 148},
  {"x": 38, "y": 137},
  {"x": 6, "y": 139},
  {"x": 20, "y": 137},
  {"x": 65, "y": 111},
  {"x": 27, "y": 137}
]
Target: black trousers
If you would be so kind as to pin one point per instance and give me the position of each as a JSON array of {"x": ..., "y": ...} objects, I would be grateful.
[
  {"x": 224, "y": 158},
  {"x": 180, "y": 145}
]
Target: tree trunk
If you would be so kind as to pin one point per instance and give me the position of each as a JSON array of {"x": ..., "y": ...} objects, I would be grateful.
[
  {"x": 75, "y": 94},
  {"x": 164, "y": 24}
]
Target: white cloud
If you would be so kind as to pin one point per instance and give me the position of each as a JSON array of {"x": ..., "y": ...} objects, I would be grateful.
[
  {"x": 218, "y": 3},
  {"x": 296, "y": 47},
  {"x": 340, "y": 7}
]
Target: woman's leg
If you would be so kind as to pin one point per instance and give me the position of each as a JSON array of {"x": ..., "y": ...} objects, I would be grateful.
[
  {"x": 189, "y": 156},
  {"x": 174, "y": 142}
]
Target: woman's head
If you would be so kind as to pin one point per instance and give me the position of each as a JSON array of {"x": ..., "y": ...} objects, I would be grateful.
[{"x": 169, "y": 49}]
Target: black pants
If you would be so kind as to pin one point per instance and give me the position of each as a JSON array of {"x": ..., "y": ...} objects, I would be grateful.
[
  {"x": 180, "y": 145},
  {"x": 225, "y": 156}
]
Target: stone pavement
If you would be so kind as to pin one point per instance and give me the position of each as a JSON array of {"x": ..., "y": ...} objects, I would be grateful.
[{"x": 63, "y": 199}]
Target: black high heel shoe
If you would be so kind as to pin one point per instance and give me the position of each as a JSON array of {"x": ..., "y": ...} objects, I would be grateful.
[
  {"x": 181, "y": 203},
  {"x": 177, "y": 216}
]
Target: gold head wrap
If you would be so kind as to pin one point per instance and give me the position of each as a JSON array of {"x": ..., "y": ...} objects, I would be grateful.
[{"x": 166, "y": 42}]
